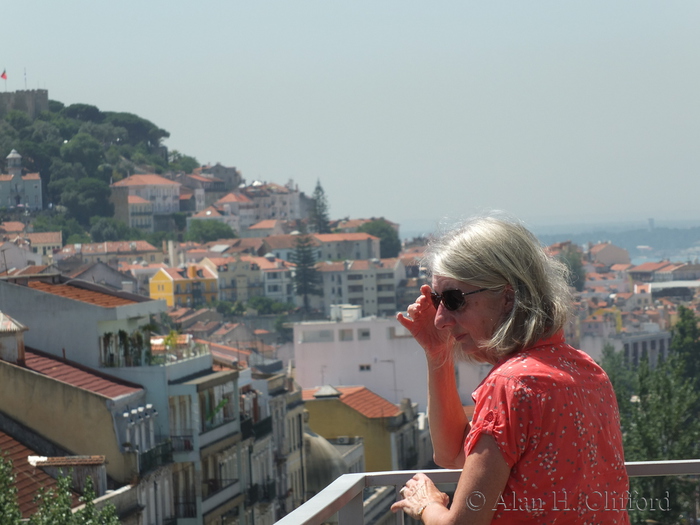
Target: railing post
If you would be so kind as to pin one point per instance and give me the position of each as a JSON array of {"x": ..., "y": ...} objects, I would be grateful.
[{"x": 352, "y": 513}]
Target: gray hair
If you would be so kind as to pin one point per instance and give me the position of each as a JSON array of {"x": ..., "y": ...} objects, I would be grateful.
[{"x": 493, "y": 253}]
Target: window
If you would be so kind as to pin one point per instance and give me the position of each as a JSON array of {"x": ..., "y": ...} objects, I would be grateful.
[
  {"x": 355, "y": 289},
  {"x": 365, "y": 368},
  {"x": 317, "y": 336},
  {"x": 345, "y": 334},
  {"x": 363, "y": 334},
  {"x": 355, "y": 277}
]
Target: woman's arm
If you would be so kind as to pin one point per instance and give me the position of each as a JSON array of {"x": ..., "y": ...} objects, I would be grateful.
[
  {"x": 448, "y": 423},
  {"x": 482, "y": 481}
]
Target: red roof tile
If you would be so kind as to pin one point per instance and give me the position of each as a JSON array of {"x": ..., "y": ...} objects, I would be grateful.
[
  {"x": 28, "y": 479},
  {"x": 150, "y": 179},
  {"x": 361, "y": 399},
  {"x": 104, "y": 300},
  {"x": 77, "y": 375}
]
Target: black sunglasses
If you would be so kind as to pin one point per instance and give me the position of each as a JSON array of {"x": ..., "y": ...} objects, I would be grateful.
[{"x": 452, "y": 299}]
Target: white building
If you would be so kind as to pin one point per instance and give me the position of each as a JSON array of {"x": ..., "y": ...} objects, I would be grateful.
[{"x": 377, "y": 353}]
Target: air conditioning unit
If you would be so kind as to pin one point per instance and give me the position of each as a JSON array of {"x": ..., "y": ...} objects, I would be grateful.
[{"x": 343, "y": 440}]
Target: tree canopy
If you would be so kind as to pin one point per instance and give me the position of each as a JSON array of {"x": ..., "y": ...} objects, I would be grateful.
[
  {"x": 307, "y": 280},
  {"x": 389, "y": 243},
  {"x": 54, "y": 504},
  {"x": 319, "y": 211},
  {"x": 207, "y": 230}
]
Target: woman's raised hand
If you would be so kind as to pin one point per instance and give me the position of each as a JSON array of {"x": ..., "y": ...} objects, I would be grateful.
[{"x": 421, "y": 323}]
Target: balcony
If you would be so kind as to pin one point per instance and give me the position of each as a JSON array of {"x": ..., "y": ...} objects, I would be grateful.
[
  {"x": 183, "y": 441},
  {"x": 216, "y": 492},
  {"x": 345, "y": 495},
  {"x": 218, "y": 429},
  {"x": 160, "y": 455},
  {"x": 186, "y": 509}
]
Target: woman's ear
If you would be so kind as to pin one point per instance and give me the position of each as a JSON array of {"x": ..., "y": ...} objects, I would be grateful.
[{"x": 508, "y": 299}]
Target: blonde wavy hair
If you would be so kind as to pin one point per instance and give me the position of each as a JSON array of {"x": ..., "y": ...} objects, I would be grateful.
[{"x": 498, "y": 254}]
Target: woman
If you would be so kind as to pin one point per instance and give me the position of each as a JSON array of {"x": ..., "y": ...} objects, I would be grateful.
[{"x": 544, "y": 444}]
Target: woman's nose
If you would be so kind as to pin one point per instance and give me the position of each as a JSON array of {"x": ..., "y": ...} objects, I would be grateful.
[{"x": 443, "y": 318}]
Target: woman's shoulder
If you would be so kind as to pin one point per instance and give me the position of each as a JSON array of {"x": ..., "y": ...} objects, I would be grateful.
[{"x": 547, "y": 365}]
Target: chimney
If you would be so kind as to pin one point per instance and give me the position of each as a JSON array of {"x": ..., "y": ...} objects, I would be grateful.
[{"x": 11, "y": 340}]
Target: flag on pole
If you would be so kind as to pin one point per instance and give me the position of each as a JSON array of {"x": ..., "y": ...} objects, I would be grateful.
[{"x": 4, "y": 75}]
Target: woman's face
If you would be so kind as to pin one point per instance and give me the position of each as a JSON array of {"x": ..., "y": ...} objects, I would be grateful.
[{"x": 476, "y": 321}]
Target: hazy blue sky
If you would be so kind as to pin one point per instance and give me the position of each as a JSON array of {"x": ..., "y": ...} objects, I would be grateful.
[{"x": 556, "y": 111}]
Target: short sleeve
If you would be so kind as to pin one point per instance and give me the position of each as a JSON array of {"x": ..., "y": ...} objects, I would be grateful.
[{"x": 508, "y": 410}]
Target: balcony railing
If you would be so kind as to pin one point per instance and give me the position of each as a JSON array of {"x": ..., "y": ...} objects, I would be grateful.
[
  {"x": 160, "y": 455},
  {"x": 345, "y": 495},
  {"x": 210, "y": 487},
  {"x": 186, "y": 509},
  {"x": 184, "y": 441}
]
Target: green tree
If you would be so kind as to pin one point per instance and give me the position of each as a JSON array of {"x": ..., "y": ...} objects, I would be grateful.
[
  {"x": 574, "y": 261},
  {"x": 83, "y": 149},
  {"x": 685, "y": 342},
  {"x": 9, "y": 508},
  {"x": 319, "y": 211},
  {"x": 139, "y": 129},
  {"x": 54, "y": 504},
  {"x": 208, "y": 230},
  {"x": 389, "y": 243},
  {"x": 84, "y": 112},
  {"x": 267, "y": 306},
  {"x": 663, "y": 426},
  {"x": 307, "y": 280},
  {"x": 108, "y": 229},
  {"x": 52, "y": 222},
  {"x": 87, "y": 198}
]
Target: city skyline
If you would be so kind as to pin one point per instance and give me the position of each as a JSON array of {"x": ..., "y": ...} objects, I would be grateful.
[{"x": 553, "y": 113}]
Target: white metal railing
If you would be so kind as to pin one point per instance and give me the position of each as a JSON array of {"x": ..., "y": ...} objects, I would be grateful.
[{"x": 345, "y": 495}]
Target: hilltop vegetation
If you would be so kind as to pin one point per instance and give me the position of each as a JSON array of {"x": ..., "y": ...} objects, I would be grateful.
[{"x": 78, "y": 151}]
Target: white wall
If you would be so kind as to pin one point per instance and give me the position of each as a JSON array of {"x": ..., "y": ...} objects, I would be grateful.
[{"x": 397, "y": 367}]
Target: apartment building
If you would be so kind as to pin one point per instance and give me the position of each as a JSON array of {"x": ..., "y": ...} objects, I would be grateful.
[
  {"x": 19, "y": 189},
  {"x": 239, "y": 277},
  {"x": 389, "y": 431},
  {"x": 191, "y": 286},
  {"x": 346, "y": 246},
  {"x": 112, "y": 252},
  {"x": 197, "y": 407},
  {"x": 375, "y": 352},
  {"x": 162, "y": 193},
  {"x": 370, "y": 284},
  {"x": 36, "y": 388}
]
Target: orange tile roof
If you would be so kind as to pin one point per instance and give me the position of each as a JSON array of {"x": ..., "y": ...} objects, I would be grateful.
[
  {"x": 650, "y": 266},
  {"x": 31, "y": 176},
  {"x": 362, "y": 400},
  {"x": 621, "y": 267},
  {"x": 281, "y": 242},
  {"x": 135, "y": 199},
  {"x": 233, "y": 197},
  {"x": 338, "y": 237},
  {"x": 5, "y": 177},
  {"x": 77, "y": 375},
  {"x": 102, "y": 299},
  {"x": 211, "y": 211},
  {"x": 125, "y": 247},
  {"x": 13, "y": 226},
  {"x": 72, "y": 461},
  {"x": 202, "y": 178},
  {"x": 27, "y": 270},
  {"x": 28, "y": 478},
  {"x": 150, "y": 179},
  {"x": 45, "y": 237},
  {"x": 264, "y": 225},
  {"x": 328, "y": 266}
]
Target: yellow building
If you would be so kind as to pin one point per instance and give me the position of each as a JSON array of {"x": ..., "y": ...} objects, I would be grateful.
[
  {"x": 191, "y": 286},
  {"x": 390, "y": 432}
]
